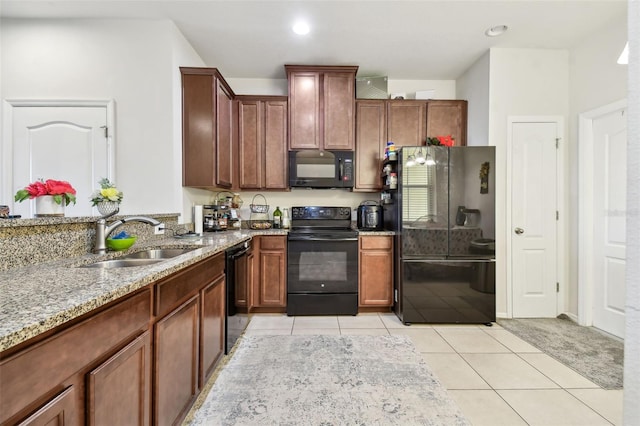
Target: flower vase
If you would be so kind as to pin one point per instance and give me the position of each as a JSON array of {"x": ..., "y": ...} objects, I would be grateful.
[
  {"x": 47, "y": 207},
  {"x": 107, "y": 207}
]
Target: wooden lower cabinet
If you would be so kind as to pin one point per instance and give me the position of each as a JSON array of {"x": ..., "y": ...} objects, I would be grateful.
[
  {"x": 188, "y": 336},
  {"x": 244, "y": 282},
  {"x": 60, "y": 411},
  {"x": 212, "y": 338},
  {"x": 119, "y": 389},
  {"x": 270, "y": 289},
  {"x": 375, "y": 263},
  {"x": 176, "y": 362}
]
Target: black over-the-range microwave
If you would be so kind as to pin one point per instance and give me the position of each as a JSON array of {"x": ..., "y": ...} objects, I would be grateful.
[{"x": 321, "y": 169}]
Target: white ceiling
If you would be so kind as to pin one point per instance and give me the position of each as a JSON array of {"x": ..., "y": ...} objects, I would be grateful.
[{"x": 401, "y": 39}]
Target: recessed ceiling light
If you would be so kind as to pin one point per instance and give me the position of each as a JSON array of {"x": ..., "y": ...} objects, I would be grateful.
[
  {"x": 496, "y": 31},
  {"x": 301, "y": 28}
]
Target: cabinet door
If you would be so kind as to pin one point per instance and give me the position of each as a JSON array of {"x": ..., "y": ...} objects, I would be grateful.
[
  {"x": 271, "y": 286},
  {"x": 448, "y": 118},
  {"x": 250, "y": 147},
  {"x": 304, "y": 110},
  {"x": 224, "y": 145},
  {"x": 275, "y": 167},
  {"x": 406, "y": 122},
  {"x": 120, "y": 388},
  {"x": 338, "y": 103},
  {"x": 243, "y": 280},
  {"x": 60, "y": 411},
  {"x": 376, "y": 271},
  {"x": 176, "y": 363},
  {"x": 371, "y": 140},
  {"x": 213, "y": 299},
  {"x": 198, "y": 130}
]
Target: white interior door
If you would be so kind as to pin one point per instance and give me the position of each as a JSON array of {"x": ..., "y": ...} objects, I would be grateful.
[
  {"x": 609, "y": 221},
  {"x": 63, "y": 143},
  {"x": 533, "y": 218}
]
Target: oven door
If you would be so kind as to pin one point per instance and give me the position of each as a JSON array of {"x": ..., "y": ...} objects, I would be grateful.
[{"x": 322, "y": 266}]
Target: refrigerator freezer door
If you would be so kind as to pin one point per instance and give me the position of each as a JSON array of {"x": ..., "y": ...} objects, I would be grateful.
[{"x": 446, "y": 291}]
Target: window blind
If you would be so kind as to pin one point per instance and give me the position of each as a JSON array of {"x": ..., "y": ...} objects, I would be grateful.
[{"x": 418, "y": 192}]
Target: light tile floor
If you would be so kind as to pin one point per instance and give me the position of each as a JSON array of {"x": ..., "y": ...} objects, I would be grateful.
[{"x": 495, "y": 377}]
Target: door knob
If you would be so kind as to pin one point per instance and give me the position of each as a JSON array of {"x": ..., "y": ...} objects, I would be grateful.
[{"x": 519, "y": 231}]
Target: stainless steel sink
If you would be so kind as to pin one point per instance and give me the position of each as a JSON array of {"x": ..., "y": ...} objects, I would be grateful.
[
  {"x": 122, "y": 263},
  {"x": 158, "y": 254},
  {"x": 141, "y": 258}
]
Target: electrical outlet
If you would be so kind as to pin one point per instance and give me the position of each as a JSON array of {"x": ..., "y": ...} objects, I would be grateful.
[{"x": 159, "y": 229}]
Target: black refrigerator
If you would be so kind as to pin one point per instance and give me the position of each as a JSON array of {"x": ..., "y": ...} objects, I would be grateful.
[{"x": 442, "y": 210}]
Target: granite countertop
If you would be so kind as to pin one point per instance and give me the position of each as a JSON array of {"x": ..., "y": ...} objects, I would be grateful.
[{"x": 38, "y": 298}]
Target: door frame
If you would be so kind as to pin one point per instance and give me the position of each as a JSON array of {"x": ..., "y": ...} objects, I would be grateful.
[
  {"x": 6, "y": 148},
  {"x": 562, "y": 204},
  {"x": 585, "y": 207}
]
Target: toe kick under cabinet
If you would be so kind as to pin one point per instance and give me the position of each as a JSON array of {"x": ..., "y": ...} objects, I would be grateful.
[{"x": 140, "y": 360}]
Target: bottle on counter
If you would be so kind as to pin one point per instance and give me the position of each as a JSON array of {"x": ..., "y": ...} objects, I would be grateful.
[
  {"x": 286, "y": 222},
  {"x": 277, "y": 218}
]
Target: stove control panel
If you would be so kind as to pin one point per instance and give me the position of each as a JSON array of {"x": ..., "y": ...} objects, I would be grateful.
[{"x": 321, "y": 213}]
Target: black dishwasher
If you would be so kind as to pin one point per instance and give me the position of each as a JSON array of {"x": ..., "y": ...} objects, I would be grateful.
[{"x": 236, "y": 322}]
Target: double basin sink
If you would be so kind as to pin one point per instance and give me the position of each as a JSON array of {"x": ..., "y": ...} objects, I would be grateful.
[{"x": 140, "y": 258}]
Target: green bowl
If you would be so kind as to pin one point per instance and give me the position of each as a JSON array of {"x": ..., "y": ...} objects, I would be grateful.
[{"x": 121, "y": 243}]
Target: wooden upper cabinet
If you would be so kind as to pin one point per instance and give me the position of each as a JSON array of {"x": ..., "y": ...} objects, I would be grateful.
[
  {"x": 304, "y": 112},
  {"x": 406, "y": 122},
  {"x": 262, "y": 142},
  {"x": 371, "y": 140},
  {"x": 447, "y": 117},
  {"x": 322, "y": 107},
  {"x": 207, "y": 129},
  {"x": 339, "y": 110},
  {"x": 224, "y": 141}
]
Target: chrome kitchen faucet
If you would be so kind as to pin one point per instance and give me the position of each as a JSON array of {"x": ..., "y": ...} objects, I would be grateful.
[{"x": 103, "y": 230}]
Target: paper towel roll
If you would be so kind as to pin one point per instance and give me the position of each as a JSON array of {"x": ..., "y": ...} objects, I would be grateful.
[{"x": 197, "y": 219}]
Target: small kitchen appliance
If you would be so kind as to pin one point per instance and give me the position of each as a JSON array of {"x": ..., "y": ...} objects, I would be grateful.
[{"x": 369, "y": 216}]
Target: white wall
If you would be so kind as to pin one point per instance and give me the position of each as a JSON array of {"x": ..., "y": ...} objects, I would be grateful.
[
  {"x": 521, "y": 82},
  {"x": 443, "y": 89},
  {"x": 632, "y": 303},
  {"x": 595, "y": 80},
  {"x": 126, "y": 60},
  {"x": 473, "y": 86}
]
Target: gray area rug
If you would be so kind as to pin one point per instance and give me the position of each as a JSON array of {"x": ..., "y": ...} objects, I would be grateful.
[
  {"x": 591, "y": 353},
  {"x": 327, "y": 380}
]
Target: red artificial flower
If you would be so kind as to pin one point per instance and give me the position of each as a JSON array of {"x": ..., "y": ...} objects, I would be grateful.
[
  {"x": 62, "y": 191},
  {"x": 446, "y": 140},
  {"x": 59, "y": 187}
]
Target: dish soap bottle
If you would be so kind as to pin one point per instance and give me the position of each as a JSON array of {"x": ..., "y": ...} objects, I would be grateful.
[{"x": 277, "y": 218}]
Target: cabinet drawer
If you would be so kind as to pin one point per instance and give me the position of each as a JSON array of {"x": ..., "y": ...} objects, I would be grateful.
[
  {"x": 273, "y": 242},
  {"x": 34, "y": 372},
  {"x": 177, "y": 288},
  {"x": 376, "y": 243}
]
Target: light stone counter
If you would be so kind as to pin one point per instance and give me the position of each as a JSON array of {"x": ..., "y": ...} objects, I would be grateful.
[{"x": 37, "y": 298}]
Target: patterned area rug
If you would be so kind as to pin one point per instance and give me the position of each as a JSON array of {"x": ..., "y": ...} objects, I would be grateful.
[
  {"x": 327, "y": 380},
  {"x": 593, "y": 354}
]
